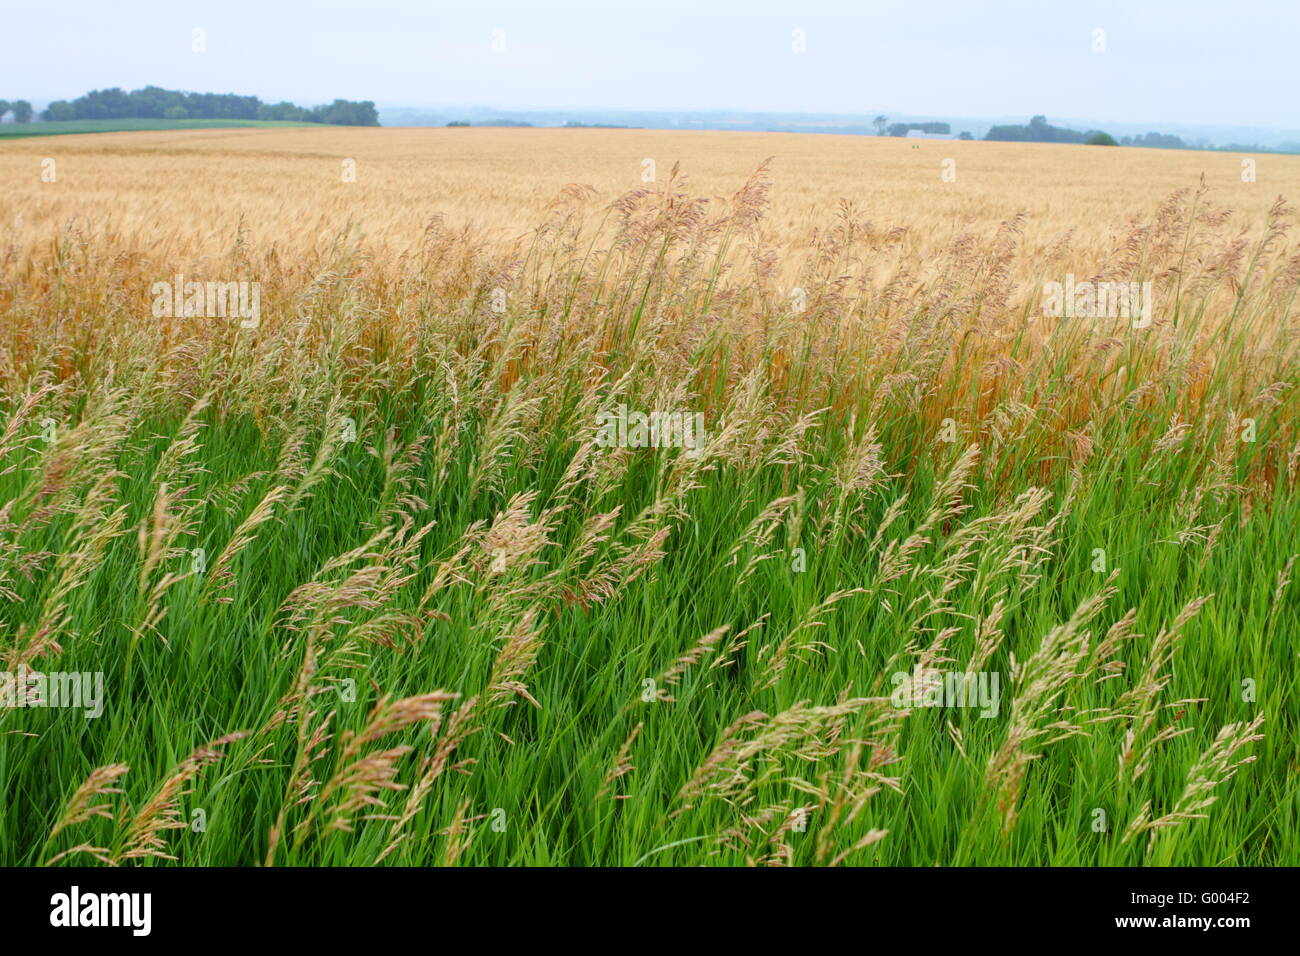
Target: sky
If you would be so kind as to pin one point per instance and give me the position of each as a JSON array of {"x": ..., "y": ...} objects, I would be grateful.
[{"x": 1159, "y": 61}]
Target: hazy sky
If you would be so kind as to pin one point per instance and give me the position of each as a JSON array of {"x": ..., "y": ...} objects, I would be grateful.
[{"x": 1171, "y": 61}]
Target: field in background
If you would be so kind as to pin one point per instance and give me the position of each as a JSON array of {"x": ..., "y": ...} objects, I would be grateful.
[
  {"x": 65, "y": 127},
  {"x": 287, "y": 187},
  {"x": 366, "y": 579}
]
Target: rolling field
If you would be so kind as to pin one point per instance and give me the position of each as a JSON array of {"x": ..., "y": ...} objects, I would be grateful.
[
  {"x": 621, "y": 497},
  {"x": 288, "y": 188}
]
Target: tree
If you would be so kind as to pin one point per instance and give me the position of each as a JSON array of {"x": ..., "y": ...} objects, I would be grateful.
[
  {"x": 345, "y": 113},
  {"x": 1157, "y": 141},
  {"x": 103, "y": 104},
  {"x": 282, "y": 111},
  {"x": 1038, "y": 131},
  {"x": 881, "y": 123},
  {"x": 22, "y": 111},
  {"x": 155, "y": 102},
  {"x": 902, "y": 129},
  {"x": 4, "y": 107},
  {"x": 1099, "y": 138},
  {"x": 965, "y": 134}
]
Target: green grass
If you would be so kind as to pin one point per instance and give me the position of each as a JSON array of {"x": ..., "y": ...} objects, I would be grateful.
[
  {"x": 64, "y": 127},
  {"x": 224, "y": 667}
]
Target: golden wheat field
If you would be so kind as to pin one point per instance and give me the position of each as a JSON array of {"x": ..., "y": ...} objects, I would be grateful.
[
  {"x": 370, "y": 547},
  {"x": 186, "y": 191}
]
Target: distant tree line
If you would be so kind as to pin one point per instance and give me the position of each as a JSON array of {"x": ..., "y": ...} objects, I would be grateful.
[
  {"x": 155, "y": 102},
  {"x": 500, "y": 122},
  {"x": 22, "y": 110},
  {"x": 885, "y": 128},
  {"x": 1154, "y": 141},
  {"x": 1040, "y": 131},
  {"x": 902, "y": 129}
]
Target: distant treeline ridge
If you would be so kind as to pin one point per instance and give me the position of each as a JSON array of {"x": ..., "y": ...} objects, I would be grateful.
[
  {"x": 1040, "y": 131},
  {"x": 155, "y": 102}
]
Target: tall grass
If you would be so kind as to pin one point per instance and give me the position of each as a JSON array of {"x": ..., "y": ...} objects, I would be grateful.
[{"x": 472, "y": 635}]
